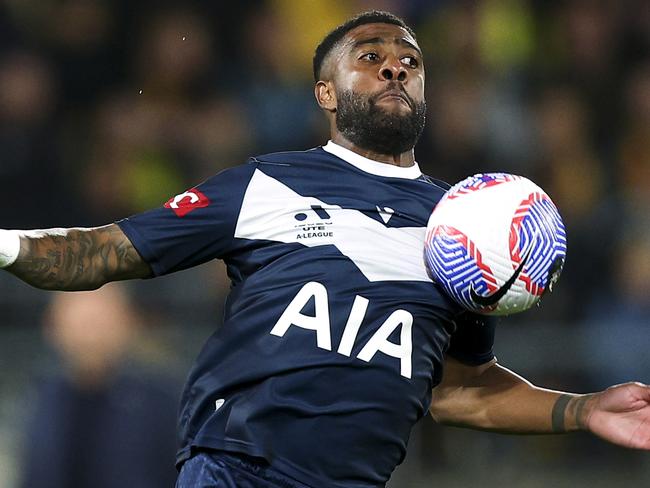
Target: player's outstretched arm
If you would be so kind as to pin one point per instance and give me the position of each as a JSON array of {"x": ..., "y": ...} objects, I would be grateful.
[
  {"x": 73, "y": 259},
  {"x": 491, "y": 397}
]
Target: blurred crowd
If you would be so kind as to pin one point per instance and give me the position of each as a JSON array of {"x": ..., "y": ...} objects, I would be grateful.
[{"x": 109, "y": 107}]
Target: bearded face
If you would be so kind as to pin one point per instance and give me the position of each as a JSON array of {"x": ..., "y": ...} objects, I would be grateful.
[{"x": 370, "y": 126}]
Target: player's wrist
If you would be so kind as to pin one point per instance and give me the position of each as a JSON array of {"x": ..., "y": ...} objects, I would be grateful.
[
  {"x": 9, "y": 247},
  {"x": 572, "y": 412},
  {"x": 579, "y": 411}
]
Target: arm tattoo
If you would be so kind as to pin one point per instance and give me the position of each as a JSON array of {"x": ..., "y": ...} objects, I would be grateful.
[
  {"x": 559, "y": 412},
  {"x": 569, "y": 407},
  {"x": 77, "y": 259},
  {"x": 581, "y": 422}
]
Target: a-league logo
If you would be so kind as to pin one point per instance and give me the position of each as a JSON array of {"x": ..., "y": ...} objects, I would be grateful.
[{"x": 184, "y": 203}]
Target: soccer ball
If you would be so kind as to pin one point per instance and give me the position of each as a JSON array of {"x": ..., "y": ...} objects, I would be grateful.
[{"x": 495, "y": 242}]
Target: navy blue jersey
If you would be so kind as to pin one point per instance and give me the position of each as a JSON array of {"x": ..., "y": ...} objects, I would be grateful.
[{"x": 334, "y": 334}]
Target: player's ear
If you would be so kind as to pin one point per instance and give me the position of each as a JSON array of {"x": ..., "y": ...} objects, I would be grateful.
[{"x": 325, "y": 95}]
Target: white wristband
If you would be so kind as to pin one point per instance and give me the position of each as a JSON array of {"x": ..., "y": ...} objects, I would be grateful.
[{"x": 9, "y": 247}]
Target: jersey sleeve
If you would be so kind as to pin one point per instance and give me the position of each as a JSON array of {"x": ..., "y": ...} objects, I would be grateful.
[
  {"x": 193, "y": 227},
  {"x": 472, "y": 342}
]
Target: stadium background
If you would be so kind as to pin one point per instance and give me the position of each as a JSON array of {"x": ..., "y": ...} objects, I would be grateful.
[{"x": 108, "y": 108}]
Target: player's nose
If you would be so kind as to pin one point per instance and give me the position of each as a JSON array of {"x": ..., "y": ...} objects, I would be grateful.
[{"x": 392, "y": 69}]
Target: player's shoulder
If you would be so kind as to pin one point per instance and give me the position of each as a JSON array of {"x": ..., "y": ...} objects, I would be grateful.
[
  {"x": 240, "y": 173},
  {"x": 439, "y": 184},
  {"x": 276, "y": 164},
  {"x": 292, "y": 158},
  {"x": 431, "y": 189}
]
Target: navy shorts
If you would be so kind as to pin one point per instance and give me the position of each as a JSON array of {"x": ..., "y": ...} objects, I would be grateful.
[{"x": 218, "y": 469}]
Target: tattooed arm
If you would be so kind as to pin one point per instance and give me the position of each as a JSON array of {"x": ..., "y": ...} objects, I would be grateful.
[
  {"x": 77, "y": 259},
  {"x": 491, "y": 397}
]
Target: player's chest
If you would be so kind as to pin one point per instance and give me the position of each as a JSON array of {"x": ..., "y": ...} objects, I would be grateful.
[{"x": 382, "y": 232}]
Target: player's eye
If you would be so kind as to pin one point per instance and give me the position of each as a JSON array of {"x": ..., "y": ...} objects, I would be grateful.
[
  {"x": 411, "y": 62},
  {"x": 370, "y": 56}
]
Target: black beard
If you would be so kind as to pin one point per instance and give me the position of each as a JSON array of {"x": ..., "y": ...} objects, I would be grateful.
[{"x": 369, "y": 127}]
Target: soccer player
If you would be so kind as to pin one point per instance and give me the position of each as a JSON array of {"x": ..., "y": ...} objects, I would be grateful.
[{"x": 335, "y": 341}]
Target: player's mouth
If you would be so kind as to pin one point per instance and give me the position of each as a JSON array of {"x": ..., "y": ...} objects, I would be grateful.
[{"x": 396, "y": 95}]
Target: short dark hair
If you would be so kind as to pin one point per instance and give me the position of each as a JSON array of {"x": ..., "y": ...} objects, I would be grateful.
[{"x": 331, "y": 39}]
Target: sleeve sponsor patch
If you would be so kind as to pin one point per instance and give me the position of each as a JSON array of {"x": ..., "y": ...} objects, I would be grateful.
[{"x": 186, "y": 202}]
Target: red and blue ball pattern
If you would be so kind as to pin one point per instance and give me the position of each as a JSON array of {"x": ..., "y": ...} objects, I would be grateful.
[
  {"x": 479, "y": 182},
  {"x": 457, "y": 264},
  {"x": 537, "y": 226}
]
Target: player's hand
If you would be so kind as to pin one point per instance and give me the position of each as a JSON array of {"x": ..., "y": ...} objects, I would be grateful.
[{"x": 621, "y": 415}]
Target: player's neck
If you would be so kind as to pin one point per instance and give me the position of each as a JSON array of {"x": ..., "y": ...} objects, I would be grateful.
[{"x": 404, "y": 159}]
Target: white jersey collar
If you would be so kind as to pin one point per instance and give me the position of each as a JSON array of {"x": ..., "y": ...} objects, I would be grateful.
[{"x": 371, "y": 166}]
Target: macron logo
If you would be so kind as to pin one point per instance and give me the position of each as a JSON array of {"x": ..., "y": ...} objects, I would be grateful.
[
  {"x": 186, "y": 202},
  {"x": 385, "y": 213}
]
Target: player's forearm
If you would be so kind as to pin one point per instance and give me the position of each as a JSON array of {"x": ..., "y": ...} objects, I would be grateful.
[
  {"x": 501, "y": 401},
  {"x": 76, "y": 259}
]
